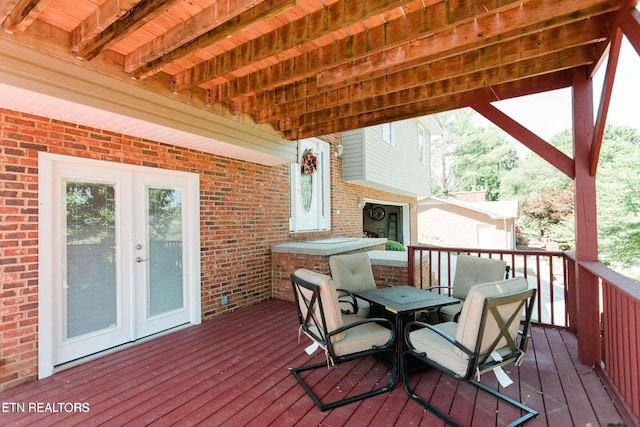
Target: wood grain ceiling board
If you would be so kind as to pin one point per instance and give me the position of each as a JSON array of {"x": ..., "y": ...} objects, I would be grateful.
[{"x": 312, "y": 67}]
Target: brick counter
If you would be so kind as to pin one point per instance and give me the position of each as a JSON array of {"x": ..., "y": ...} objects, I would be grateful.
[{"x": 313, "y": 255}]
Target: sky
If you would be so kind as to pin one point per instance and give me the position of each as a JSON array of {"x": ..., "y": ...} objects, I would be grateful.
[{"x": 549, "y": 113}]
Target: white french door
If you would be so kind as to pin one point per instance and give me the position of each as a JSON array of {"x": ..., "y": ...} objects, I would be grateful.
[
  {"x": 124, "y": 260},
  {"x": 159, "y": 235}
]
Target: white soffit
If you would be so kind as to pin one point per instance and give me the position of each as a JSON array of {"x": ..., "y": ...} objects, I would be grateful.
[
  {"x": 18, "y": 99},
  {"x": 57, "y": 85}
]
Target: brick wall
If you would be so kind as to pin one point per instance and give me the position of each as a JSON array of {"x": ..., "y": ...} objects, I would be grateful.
[
  {"x": 244, "y": 210},
  {"x": 242, "y": 206},
  {"x": 398, "y": 276},
  {"x": 286, "y": 263}
]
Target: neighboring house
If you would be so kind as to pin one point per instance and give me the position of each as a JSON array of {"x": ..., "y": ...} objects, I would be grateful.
[
  {"x": 393, "y": 157},
  {"x": 471, "y": 224},
  {"x": 108, "y": 237}
]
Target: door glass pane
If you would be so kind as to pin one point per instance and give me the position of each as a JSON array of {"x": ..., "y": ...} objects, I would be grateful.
[
  {"x": 165, "y": 250},
  {"x": 306, "y": 187},
  {"x": 89, "y": 301}
]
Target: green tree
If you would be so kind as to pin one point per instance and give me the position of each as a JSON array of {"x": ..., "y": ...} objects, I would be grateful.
[
  {"x": 618, "y": 186},
  {"x": 90, "y": 212},
  {"x": 453, "y": 124},
  {"x": 546, "y": 195},
  {"x": 470, "y": 157},
  {"x": 532, "y": 173},
  {"x": 482, "y": 158}
]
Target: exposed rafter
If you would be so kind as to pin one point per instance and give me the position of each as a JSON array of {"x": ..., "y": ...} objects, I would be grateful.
[
  {"x": 124, "y": 24},
  {"x": 321, "y": 23},
  {"x": 178, "y": 43},
  {"x": 305, "y": 68},
  {"x": 20, "y": 14},
  {"x": 489, "y": 26},
  {"x": 306, "y": 96}
]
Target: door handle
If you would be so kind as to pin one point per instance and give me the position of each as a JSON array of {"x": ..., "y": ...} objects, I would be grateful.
[{"x": 140, "y": 259}]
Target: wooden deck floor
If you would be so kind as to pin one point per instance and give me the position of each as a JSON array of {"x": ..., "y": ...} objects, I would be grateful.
[{"x": 232, "y": 371}]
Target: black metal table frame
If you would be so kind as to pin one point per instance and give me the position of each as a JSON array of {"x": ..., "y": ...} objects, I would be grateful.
[{"x": 403, "y": 302}]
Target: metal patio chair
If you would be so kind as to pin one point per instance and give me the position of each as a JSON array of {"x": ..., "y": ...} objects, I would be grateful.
[
  {"x": 342, "y": 337},
  {"x": 470, "y": 271},
  {"x": 486, "y": 336},
  {"x": 352, "y": 273}
]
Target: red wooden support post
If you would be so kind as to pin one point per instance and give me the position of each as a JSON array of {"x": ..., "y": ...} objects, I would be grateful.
[
  {"x": 572, "y": 291},
  {"x": 587, "y": 302},
  {"x": 411, "y": 264}
]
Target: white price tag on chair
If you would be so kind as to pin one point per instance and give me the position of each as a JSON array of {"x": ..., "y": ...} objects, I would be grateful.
[
  {"x": 312, "y": 348},
  {"x": 496, "y": 356},
  {"x": 502, "y": 377}
]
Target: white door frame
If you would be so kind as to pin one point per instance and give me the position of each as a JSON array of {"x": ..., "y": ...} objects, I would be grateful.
[
  {"x": 406, "y": 220},
  {"x": 46, "y": 270},
  {"x": 319, "y": 215}
]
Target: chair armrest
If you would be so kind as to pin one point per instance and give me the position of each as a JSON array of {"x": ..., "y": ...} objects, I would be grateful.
[
  {"x": 437, "y": 287},
  {"x": 379, "y": 320},
  {"x": 415, "y": 324},
  {"x": 352, "y": 300}
]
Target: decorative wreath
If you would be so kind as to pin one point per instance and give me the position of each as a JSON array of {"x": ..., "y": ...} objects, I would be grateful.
[{"x": 309, "y": 162}]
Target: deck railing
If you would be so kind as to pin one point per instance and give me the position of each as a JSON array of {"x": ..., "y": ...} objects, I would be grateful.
[
  {"x": 620, "y": 308},
  {"x": 553, "y": 274},
  {"x": 545, "y": 271}
]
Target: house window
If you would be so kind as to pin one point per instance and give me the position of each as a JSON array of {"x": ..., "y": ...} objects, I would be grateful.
[
  {"x": 387, "y": 133},
  {"x": 421, "y": 144},
  {"x": 310, "y": 187}
]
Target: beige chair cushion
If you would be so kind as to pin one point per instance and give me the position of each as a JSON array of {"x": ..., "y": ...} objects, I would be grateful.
[
  {"x": 353, "y": 273},
  {"x": 438, "y": 349},
  {"x": 332, "y": 314},
  {"x": 359, "y": 338},
  {"x": 466, "y": 330},
  {"x": 448, "y": 312},
  {"x": 362, "y": 337},
  {"x": 472, "y": 270},
  {"x": 469, "y": 321}
]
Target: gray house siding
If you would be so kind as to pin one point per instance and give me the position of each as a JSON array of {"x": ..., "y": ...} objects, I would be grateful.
[{"x": 391, "y": 167}]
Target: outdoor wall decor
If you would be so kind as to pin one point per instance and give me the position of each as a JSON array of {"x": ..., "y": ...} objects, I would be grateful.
[{"x": 309, "y": 162}]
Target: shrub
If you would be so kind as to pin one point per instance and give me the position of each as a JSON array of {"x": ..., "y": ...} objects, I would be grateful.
[{"x": 392, "y": 245}]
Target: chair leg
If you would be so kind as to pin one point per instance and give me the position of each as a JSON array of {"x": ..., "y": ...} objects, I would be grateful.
[
  {"x": 529, "y": 412},
  {"x": 326, "y": 406},
  {"x": 405, "y": 379}
]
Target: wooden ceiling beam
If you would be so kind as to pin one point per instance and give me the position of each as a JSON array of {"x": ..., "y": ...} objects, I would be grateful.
[
  {"x": 493, "y": 25},
  {"x": 106, "y": 14},
  {"x": 210, "y": 26},
  {"x": 527, "y": 68},
  {"x": 529, "y": 139},
  {"x": 329, "y": 19},
  {"x": 484, "y": 95},
  {"x": 418, "y": 21},
  {"x": 305, "y": 96},
  {"x": 5, "y": 9},
  {"x": 89, "y": 40},
  {"x": 276, "y": 75},
  {"x": 18, "y": 15}
]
